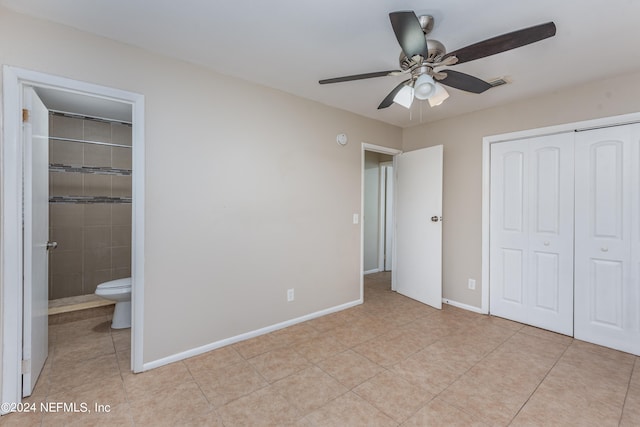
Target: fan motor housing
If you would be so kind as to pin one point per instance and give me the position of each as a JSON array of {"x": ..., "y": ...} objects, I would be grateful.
[{"x": 436, "y": 51}]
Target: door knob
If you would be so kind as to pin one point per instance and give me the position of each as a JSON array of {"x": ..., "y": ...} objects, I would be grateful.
[
  {"x": 52, "y": 245},
  {"x": 436, "y": 218},
  {"x": 604, "y": 249}
]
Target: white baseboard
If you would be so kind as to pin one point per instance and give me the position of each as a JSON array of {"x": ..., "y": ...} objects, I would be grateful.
[
  {"x": 375, "y": 270},
  {"x": 463, "y": 306},
  {"x": 232, "y": 340}
]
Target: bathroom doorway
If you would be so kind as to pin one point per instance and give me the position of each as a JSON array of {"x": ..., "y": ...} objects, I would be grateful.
[
  {"x": 78, "y": 180},
  {"x": 377, "y": 208},
  {"x": 377, "y": 215},
  {"x": 417, "y": 230},
  {"x": 89, "y": 200}
]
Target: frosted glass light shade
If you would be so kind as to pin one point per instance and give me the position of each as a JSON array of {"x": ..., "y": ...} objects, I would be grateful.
[
  {"x": 404, "y": 97},
  {"x": 438, "y": 96},
  {"x": 424, "y": 87}
]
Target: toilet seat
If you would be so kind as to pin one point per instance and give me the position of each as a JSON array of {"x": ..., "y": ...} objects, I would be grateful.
[
  {"x": 116, "y": 284},
  {"x": 114, "y": 287}
]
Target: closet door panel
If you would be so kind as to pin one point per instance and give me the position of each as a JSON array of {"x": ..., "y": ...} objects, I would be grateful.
[
  {"x": 605, "y": 159},
  {"x": 546, "y": 190},
  {"x": 513, "y": 177},
  {"x": 546, "y": 282},
  {"x": 606, "y": 283},
  {"x": 551, "y": 233},
  {"x": 606, "y": 293},
  {"x": 514, "y": 237},
  {"x": 509, "y": 240},
  {"x": 531, "y": 243},
  {"x": 546, "y": 221},
  {"x": 512, "y": 276}
]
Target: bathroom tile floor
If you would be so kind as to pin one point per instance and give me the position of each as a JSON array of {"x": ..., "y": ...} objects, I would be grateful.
[{"x": 391, "y": 361}]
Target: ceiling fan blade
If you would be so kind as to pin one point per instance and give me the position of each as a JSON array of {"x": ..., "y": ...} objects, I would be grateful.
[
  {"x": 389, "y": 99},
  {"x": 409, "y": 33},
  {"x": 464, "y": 82},
  {"x": 358, "y": 77},
  {"x": 504, "y": 42}
]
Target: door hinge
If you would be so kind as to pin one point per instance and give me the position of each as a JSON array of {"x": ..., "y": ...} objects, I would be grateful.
[
  {"x": 25, "y": 115},
  {"x": 26, "y": 366}
]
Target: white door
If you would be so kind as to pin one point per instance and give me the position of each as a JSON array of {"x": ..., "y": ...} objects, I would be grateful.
[
  {"x": 36, "y": 232},
  {"x": 607, "y": 263},
  {"x": 418, "y": 241},
  {"x": 531, "y": 237}
]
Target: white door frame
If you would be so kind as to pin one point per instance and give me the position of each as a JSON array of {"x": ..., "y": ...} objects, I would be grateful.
[
  {"x": 11, "y": 212},
  {"x": 377, "y": 149},
  {"x": 486, "y": 171},
  {"x": 384, "y": 218}
]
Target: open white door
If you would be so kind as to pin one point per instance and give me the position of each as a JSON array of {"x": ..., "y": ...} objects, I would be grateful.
[
  {"x": 36, "y": 233},
  {"x": 418, "y": 260}
]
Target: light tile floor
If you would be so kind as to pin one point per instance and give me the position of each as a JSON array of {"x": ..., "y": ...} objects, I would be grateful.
[{"x": 391, "y": 361}]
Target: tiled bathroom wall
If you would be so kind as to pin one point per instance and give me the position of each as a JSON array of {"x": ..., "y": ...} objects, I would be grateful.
[{"x": 94, "y": 239}]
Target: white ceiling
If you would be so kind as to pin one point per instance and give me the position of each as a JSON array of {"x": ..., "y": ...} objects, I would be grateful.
[{"x": 291, "y": 44}]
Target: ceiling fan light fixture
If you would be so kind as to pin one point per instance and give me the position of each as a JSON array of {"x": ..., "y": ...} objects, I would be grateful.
[
  {"x": 424, "y": 87},
  {"x": 438, "y": 96},
  {"x": 421, "y": 57},
  {"x": 404, "y": 97}
]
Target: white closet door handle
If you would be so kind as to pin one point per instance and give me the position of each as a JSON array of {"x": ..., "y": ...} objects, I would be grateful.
[
  {"x": 604, "y": 249},
  {"x": 546, "y": 243}
]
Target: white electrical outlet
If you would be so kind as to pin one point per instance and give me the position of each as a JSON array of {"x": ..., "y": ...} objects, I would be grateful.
[
  {"x": 472, "y": 284},
  {"x": 290, "y": 295}
]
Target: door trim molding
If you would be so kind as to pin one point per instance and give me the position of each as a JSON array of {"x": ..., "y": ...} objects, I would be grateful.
[
  {"x": 377, "y": 149},
  {"x": 11, "y": 210},
  {"x": 383, "y": 171},
  {"x": 486, "y": 170}
]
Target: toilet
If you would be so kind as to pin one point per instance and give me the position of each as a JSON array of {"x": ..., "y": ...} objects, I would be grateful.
[{"x": 118, "y": 290}]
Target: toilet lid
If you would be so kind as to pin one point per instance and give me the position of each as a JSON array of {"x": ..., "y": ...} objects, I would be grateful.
[{"x": 118, "y": 283}]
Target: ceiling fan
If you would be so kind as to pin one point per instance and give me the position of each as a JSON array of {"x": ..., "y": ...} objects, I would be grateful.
[{"x": 421, "y": 57}]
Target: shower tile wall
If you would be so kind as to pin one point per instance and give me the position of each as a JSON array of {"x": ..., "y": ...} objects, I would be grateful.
[{"x": 94, "y": 240}]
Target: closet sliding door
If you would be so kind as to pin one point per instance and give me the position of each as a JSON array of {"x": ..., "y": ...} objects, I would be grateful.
[
  {"x": 531, "y": 238},
  {"x": 607, "y": 242}
]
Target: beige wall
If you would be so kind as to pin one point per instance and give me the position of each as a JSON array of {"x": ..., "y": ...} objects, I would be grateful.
[
  {"x": 462, "y": 140},
  {"x": 94, "y": 239},
  {"x": 247, "y": 192}
]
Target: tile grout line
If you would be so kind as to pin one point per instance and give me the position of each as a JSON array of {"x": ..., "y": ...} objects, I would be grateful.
[
  {"x": 538, "y": 386},
  {"x": 626, "y": 395},
  {"x": 387, "y": 369},
  {"x": 212, "y": 408},
  {"x": 351, "y": 390},
  {"x": 470, "y": 368}
]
